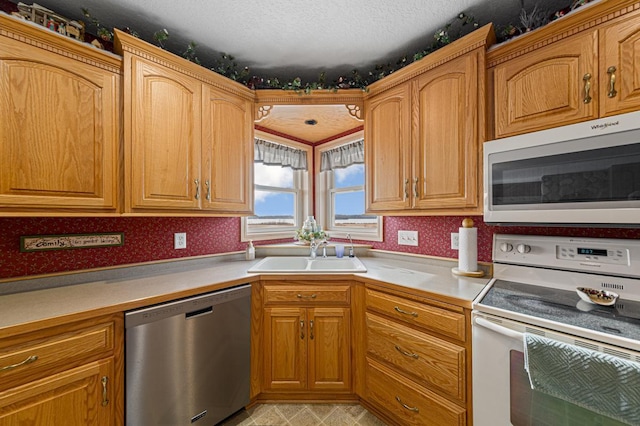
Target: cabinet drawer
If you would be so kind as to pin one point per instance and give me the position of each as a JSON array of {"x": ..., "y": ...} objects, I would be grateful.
[
  {"x": 435, "y": 319},
  {"x": 304, "y": 294},
  {"x": 408, "y": 402},
  {"x": 428, "y": 359},
  {"x": 47, "y": 354}
]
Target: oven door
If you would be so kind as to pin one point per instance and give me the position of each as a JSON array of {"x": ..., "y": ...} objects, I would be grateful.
[
  {"x": 502, "y": 394},
  {"x": 576, "y": 174}
]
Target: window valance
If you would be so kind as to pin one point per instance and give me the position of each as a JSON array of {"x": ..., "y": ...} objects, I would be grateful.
[
  {"x": 343, "y": 156},
  {"x": 274, "y": 154}
]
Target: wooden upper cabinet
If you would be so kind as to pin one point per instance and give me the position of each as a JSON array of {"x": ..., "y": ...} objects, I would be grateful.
[
  {"x": 227, "y": 145},
  {"x": 582, "y": 67},
  {"x": 388, "y": 151},
  {"x": 620, "y": 66},
  {"x": 59, "y": 131},
  {"x": 188, "y": 135},
  {"x": 423, "y": 129},
  {"x": 446, "y": 143},
  {"x": 163, "y": 152},
  {"x": 554, "y": 85}
]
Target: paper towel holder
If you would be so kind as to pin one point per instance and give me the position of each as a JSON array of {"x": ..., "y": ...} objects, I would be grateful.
[{"x": 468, "y": 223}]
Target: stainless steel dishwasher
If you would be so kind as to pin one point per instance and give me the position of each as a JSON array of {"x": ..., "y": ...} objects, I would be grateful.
[{"x": 188, "y": 361}]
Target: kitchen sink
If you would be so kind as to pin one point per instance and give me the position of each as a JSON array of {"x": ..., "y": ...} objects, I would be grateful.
[{"x": 307, "y": 265}]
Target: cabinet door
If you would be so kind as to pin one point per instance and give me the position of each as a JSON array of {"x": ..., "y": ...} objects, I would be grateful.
[
  {"x": 387, "y": 150},
  {"x": 162, "y": 138},
  {"x": 58, "y": 132},
  {"x": 227, "y": 151},
  {"x": 71, "y": 398},
  {"x": 445, "y": 146},
  {"x": 285, "y": 348},
  {"x": 620, "y": 66},
  {"x": 547, "y": 87},
  {"x": 330, "y": 349}
]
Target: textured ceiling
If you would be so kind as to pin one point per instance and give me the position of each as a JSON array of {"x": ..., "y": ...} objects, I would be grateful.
[{"x": 290, "y": 38}]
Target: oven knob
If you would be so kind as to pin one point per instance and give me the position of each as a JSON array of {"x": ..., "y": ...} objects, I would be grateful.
[
  {"x": 506, "y": 247},
  {"x": 523, "y": 248}
]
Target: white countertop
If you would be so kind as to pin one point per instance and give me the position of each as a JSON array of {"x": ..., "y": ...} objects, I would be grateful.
[{"x": 136, "y": 286}]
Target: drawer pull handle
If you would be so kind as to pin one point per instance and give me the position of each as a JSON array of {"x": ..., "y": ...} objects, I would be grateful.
[
  {"x": 311, "y": 329},
  {"x": 32, "y": 358},
  {"x": 587, "y": 88},
  {"x": 304, "y": 296},
  {"x": 405, "y": 353},
  {"x": 414, "y": 409},
  {"x": 413, "y": 314},
  {"x": 302, "y": 330},
  {"x": 612, "y": 82},
  {"x": 415, "y": 187},
  {"x": 105, "y": 400}
]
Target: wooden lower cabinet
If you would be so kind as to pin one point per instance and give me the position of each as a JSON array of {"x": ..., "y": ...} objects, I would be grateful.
[
  {"x": 416, "y": 361},
  {"x": 67, "y": 375},
  {"x": 306, "y": 338},
  {"x": 407, "y": 402},
  {"x": 82, "y": 396}
]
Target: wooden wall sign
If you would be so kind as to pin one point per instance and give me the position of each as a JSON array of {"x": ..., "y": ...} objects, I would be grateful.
[{"x": 70, "y": 241}]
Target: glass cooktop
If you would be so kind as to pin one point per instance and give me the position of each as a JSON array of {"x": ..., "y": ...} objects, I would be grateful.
[{"x": 566, "y": 307}]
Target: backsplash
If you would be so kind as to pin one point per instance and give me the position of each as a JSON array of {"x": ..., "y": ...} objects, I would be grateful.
[{"x": 151, "y": 238}]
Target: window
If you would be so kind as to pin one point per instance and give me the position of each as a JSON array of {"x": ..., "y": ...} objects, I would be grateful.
[
  {"x": 281, "y": 189},
  {"x": 341, "y": 196}
]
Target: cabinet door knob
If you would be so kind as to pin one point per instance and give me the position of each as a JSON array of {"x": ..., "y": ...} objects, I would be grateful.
[
  {"x": 302, "y": 329},
  {"x": 197, "y": 182},
  {"x": 105, "y": 399},
  {"x": 208, "y": 186},
  {"x": 29, "y": 360},
  {"x": 612, "y": 82},
  {"x": 415, "y": 187},
  {"x": 406, "y": 189},
  {"x": 311, "y": 329},
  {"x": 587, "y": 88}
]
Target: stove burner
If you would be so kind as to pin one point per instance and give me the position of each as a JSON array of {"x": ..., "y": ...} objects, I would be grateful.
[{"x": 565, "y": 307}]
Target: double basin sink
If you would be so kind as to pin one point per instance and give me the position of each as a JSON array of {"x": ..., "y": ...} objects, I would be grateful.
[{"x": 299, "y": 264}]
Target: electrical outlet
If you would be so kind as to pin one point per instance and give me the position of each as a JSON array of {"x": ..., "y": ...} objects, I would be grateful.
[
  {"x": 408, "y": 238},
  {"x": 455, "y": 241},
  {"x": 180, "y": 240}
]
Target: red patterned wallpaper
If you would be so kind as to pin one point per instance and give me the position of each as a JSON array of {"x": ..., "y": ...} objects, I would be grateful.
[{"x": 148, "y": 239}]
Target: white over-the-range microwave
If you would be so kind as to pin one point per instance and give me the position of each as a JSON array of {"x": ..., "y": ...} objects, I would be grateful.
[{"x": 585, "y": 174}]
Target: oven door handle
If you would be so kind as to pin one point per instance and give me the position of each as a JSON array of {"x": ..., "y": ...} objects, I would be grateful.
[{"x": 498, "y": 328}]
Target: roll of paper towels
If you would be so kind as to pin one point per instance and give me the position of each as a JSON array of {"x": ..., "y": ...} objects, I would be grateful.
[{"x": 468, "y": 247}]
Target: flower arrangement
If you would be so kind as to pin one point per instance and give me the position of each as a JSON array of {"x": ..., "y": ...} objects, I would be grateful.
[
  {"x": 310, "y": 231},
  {"x": 308, "y": 235}
]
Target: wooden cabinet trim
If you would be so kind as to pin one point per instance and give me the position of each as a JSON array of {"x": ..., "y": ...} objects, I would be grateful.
[{"x": 582, "y": 20}]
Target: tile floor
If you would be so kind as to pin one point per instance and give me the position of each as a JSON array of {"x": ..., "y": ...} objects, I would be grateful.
[{"x": 304, "y": 415}]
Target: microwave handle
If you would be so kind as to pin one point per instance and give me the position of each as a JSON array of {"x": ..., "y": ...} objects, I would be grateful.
[{"x": 498, "y": 328}]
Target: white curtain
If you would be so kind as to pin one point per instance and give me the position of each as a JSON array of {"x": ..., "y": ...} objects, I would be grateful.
[
  {"x": 343, "y": 156},
  {"x": 274, "y": 154}
]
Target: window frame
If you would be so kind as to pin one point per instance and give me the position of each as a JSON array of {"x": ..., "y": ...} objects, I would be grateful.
[
  {"x": 302, "y": 187},
  {"x": 325, "y": 186}
]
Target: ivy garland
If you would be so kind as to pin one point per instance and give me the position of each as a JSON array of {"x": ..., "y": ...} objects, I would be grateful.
[{"x": 460, "y": 26}]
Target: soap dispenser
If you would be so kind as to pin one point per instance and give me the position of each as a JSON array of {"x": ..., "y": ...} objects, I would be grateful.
[{"x": 251, "y": 251}]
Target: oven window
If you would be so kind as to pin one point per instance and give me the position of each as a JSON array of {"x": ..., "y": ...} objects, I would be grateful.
[
  {"x": 532, "y": 408},
  {"x": 597, "y": 175}
]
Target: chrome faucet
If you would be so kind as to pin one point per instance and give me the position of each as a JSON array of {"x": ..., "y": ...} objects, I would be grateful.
[
  {"x": 350, "y": 248},
  {"x": 313, "y": 245}
]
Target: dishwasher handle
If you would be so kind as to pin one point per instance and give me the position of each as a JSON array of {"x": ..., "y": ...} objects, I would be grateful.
[{"x": 199, "y": 312}]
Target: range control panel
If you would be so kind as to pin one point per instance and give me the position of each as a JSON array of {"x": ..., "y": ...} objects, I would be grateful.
[{"x": 602, "y": 255}]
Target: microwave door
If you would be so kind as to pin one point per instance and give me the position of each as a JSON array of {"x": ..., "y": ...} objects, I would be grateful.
[{"x": 584, "y": 181}]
